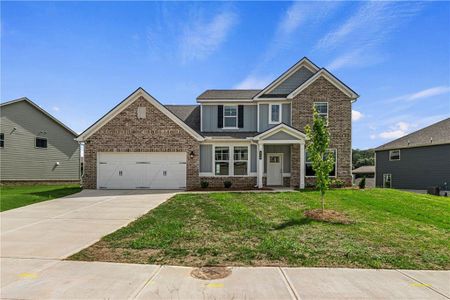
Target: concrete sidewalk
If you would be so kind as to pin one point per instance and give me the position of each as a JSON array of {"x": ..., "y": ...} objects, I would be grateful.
[{"x": 45, "y": 279}]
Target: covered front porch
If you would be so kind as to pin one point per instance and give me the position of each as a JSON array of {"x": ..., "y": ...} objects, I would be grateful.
[{"x": 280, "y": 157}]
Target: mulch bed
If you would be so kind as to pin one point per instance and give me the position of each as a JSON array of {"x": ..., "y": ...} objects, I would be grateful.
[
  {"x": 231, "y": 189},
  {"x": 328, "y": 215},
  {"x": 209, "y": 273}
]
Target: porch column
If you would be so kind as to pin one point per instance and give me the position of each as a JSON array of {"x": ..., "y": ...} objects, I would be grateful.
[
  {"x": 302, "y": 165},
  {"x": 260, "y": 164}
]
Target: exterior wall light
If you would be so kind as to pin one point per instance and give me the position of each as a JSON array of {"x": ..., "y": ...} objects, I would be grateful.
[{"x": 192, "y": 154}]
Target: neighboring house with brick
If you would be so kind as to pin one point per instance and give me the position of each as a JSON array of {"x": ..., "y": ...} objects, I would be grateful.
[
  {"x": 417, "y": 161},
  {"x": 35, "y": 146},
  {"x": 252, "y": 138}
]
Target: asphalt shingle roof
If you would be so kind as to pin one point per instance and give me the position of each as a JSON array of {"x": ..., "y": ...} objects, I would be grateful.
[
  {"x": 364, "y": 170},
  {"x": 438, "y": 133},
  {"x": 228, "y": 94},
  {"x": 189, "y": 114}
]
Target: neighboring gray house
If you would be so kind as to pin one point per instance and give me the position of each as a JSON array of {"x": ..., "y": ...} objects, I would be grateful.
[
  {"x": 249, "y": 137},
  {"x": 416, "y": 161},
  {"x": 35, "y": 146}
]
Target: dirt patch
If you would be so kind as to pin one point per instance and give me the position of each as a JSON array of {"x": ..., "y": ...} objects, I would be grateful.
[
  {"x": 330, "y": 216},
  {"x": 209, "y": 273}
]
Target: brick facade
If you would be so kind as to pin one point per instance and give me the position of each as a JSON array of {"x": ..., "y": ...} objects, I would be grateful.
[
  {"x": 339, "y": 120},
  {"x": 126, "y": 133},
  {"x": 237, "y": 182}
]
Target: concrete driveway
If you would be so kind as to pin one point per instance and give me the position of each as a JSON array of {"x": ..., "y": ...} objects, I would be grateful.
[{"x": 58, "y": 228}]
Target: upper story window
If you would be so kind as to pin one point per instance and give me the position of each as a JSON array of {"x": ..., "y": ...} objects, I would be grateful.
[
  {"x": 274, "y": 113},
  {"x": 230, "y": 116},
  {"x": 41, "y": 142},
  {"x": 322, "y": 110},
  {"x": 394, "y": 155},
  {"x": 2, "y": 140}
]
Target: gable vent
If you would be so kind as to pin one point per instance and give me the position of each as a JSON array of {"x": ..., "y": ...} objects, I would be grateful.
[{"x": 141, "y": 112}]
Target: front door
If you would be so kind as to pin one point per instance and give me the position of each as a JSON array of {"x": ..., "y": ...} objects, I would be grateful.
[{"x": 274, "y": 169}]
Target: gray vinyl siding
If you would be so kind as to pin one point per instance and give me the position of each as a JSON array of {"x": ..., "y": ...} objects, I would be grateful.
[
  {"x": 264, "y": 116},
  {"x": 21, "y": 160},
  {"x": 206, "y": 158},
  {"x": 292, "y": 82},
  {"x": 285, "y": 149},
  {"x": 209, "y": 119},
  {"x": 418, "y": 168},
  {"x": 253, "y": 156},
  {"x": 283, "y": 136}
]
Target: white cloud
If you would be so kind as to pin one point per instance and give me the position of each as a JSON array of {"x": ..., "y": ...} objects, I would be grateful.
[
  {"x": 356, "y": 115},
  {"x": 252, "y": 82},
  {"x": 200, "y": 39},
  {"x": 365, "y": 32},
  {"x": 427, "y": 93},
  {"x": 400, "y": 129},
  {"x": 55, "y": 108}
]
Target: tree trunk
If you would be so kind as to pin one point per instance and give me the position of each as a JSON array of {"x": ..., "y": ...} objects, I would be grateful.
[{"x": 322, "y": 194}]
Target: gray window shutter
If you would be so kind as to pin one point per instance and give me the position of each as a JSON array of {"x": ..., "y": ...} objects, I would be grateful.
[
  {"x": 220, "y": 116},
  {"x": 241, "y": 116}
]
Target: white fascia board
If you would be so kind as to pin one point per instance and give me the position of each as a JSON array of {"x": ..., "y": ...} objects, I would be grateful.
[
  {"x": 327, "y": 75},
  {"x": 304, "y": 62},
  {"x": 125, "y": 103}
]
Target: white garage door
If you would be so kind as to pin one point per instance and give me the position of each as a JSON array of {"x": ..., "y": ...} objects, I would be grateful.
[{"x": 141, "y": 170}]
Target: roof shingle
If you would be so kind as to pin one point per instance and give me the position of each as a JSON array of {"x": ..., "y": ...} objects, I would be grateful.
[{"x": 228, "y": 94}]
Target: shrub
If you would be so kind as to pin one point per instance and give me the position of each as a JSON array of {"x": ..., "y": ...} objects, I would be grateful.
[
  {"x": 310, "y": 185},
  {"x": 227, "y": 184},
  {"x": 204, "y": 184},
  {"x": 337, "y": 183},
  {"x": 362, "y": 183}
]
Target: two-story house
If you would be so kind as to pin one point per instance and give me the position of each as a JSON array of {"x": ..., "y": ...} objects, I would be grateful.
[{"x": 252, "y": 138}]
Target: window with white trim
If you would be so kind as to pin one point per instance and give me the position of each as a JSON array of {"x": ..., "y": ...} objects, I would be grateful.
[
  {"x": 387, "y": 180},
  {"x": 240, "y": 160},
  {"x": 274, "y": 113},
  {"x": 222, "y": 160},
  {"x": 322, "y": 110},
  {"x": 394, "y": 155},
  {"x": 308, "y": 164},
  {"x": 2, "y": 140},
  {"x": 230, "y": 115}
]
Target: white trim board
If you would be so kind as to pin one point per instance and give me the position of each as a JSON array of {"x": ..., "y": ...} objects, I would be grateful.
[{"x": 125, "y": 103}]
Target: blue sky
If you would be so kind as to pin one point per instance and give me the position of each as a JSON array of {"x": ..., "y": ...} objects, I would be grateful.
[{"x": 79, "y": 59}]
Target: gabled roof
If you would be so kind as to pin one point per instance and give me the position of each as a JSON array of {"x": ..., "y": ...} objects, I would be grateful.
[
  {"x": 304, "y": 62},
  {"x": 280, "y": 127},
  {"x": 25, "y": 99},
  {"x": 286, "y": 86},
  {"x": 364, "y": 170},
  {"x": 124, "y": 104},
  {"x": 228, "y": 94},
  {"x": 435, "y": 134},
  {"x": 331, "y": 78}
]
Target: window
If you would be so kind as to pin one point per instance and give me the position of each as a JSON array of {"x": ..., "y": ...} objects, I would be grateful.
[
  {"x": 387, "y": 180},
  {"x": 2, "y": 140},
  {"x": 230, "y": 117},
  {"x": 240, "y": 158},
  {"x": 308, "y": 164},
  {"x": 222, "y": 157},
  {"x": 274, "y": 113},
  {"x": 322, "y": 110},
  {"x": 41, "y": 142},
  {"x": 394, "y": 155},
  {"x": 141, "y": 112}
]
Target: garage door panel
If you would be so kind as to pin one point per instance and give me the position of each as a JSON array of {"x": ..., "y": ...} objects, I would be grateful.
[{"x": 142, "y": 170}]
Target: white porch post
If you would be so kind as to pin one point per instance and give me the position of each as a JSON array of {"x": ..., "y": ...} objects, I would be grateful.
[
  {"x": 302, "y": 165},
  {"x": 260, "y": 164}
]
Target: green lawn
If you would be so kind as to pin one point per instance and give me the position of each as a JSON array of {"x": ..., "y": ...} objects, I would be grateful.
[
  {"x": 390, "y": 229},
  {"x": 17, "y": 196}
]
